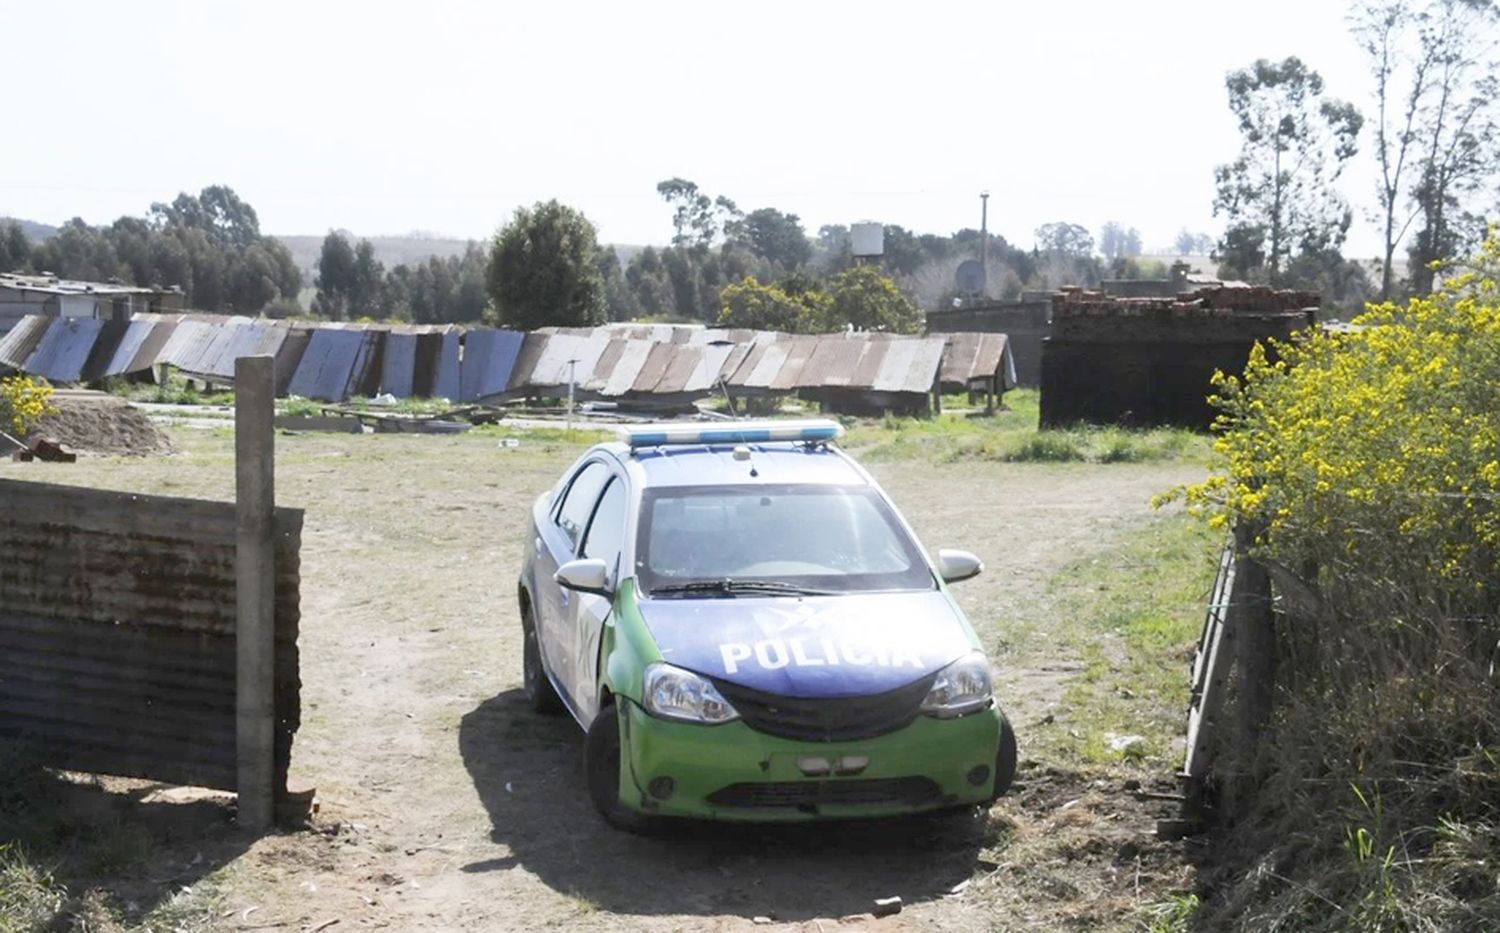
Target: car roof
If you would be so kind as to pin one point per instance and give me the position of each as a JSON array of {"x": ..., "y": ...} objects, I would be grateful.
[{"x": 715, "y": 465}]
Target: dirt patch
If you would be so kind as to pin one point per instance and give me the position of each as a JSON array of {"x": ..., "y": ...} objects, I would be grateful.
[
  {"x": 446, "y": 804},
  {"x": 96, "y": 423}
]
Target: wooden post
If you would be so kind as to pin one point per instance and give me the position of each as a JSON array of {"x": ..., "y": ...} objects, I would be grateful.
[
  {"x": 255, "y": 581},
  {"x": 1254, "y": 629}
]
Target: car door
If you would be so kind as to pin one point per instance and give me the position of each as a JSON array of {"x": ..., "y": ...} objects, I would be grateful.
[
  {"x": 604, "y": 540},
  {"x": 558, "y": 540}
]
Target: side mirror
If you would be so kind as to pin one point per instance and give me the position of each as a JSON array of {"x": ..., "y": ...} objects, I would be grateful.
[
  {"x": 588, "y": 575},
  {"x": 954, "y": 565}
]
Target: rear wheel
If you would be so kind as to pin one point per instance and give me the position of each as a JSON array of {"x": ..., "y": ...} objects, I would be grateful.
[
  {"x": 1005, "y": 758},
  {"x": 539, "y": 693},
  {"x": 601, "y": 763}
]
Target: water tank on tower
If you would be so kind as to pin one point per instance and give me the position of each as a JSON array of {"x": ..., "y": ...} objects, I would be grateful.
[{"x": 867, "y": 239}]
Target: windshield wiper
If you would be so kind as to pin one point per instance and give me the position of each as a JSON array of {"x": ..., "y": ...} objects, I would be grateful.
[{"x": 728, "y": 587}]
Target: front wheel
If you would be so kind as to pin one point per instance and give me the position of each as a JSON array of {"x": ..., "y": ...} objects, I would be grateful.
[
  {"x": 601, "y": 764},
  {"x": 1005, "y": 759},
  {"x": 539, "y": 693}
]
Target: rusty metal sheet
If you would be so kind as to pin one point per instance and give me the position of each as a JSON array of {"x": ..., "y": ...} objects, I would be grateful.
[
  {"x": 17, "y": 346},
  {"x": 187, "y": 343},
  {"x": 551, "y": 369},
  {"x": 733, "y": 360},
  {"x": 789, "y": 375},
  {"x": 654, "y": 368},
  {"x": 959, "y": 359},
  {"x": 429, "y": 351},
  {"x": 488, "y": 361},
  {"x": 971, "y": 356},
  {"x": 229, "y": 343},
  {"x": 122, "y": 360},
  {"x": 831, "y": 363},
  {"x": 398, "y": 366},
  {"x": 289, "y": 357},
  {"x": 446, "y": 379},
  {"x": 110, "y": 336},
  {"x": 60, "y": 355},
  {"x": 761, "y": 365},
  {"x": 271, "y": 339},
  {"x": 604, "y": 366},
  {"x": 117, "y": 620},
  {"x": 870, "y": 361},
  {"x": 704, "y": 376},
  {"x": 244, "y": 340},
  {"x": 683, "y": 360},
  {"x": 332, "y": 365},
  {"x": 532, "y": 348},
  {"x": 911, "y": 368},
  {"x": 627, "y": 370}
]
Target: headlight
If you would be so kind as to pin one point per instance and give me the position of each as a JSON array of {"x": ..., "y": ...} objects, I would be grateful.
[
  {"x": 961, "y": 687},
  {"x": 673, "y": 693}
]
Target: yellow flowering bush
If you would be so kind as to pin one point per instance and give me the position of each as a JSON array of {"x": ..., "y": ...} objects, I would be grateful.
[
  {"x": 1365, "y": 463},
  {"x": 1374, "y": 454},
  {"x": 23, "y": 402}
]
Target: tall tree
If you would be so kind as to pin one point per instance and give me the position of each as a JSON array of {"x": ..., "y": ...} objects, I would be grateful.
[
  {"x": 1460, "y": 126},
  {"x": 777, "y": 237},
  {"x": 1295, "y": 143},
  {"x": 1117, "y": 242},
  {"x": 1402, "y": 69},
  {"x": 336, "y": 275},
  {"x": 1189, "y": 243},
  {"x": 543, "y": 269},
  {"x": 15, "y": 248},
  {"x": 364, "y": 288},
  {"x": 1068, "y": 239},
  {"x": 693, "y": 215}
]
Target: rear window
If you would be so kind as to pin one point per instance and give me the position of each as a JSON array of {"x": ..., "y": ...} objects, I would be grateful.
[{"x": 839, "y": 538}]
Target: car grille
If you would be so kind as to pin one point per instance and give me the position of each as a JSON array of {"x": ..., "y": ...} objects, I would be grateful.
[
  {"x": 824, "y": 719},
  {"x": 907, "y": 791}
]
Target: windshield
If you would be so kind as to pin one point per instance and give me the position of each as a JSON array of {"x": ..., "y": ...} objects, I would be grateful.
[{"x": 830, "y": 539}]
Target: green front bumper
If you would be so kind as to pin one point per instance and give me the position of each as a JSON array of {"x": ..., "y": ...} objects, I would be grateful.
[{"x": 925, "y": 766}]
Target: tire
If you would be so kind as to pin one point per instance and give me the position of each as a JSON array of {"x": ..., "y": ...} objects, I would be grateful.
[
  {"x": 540, "y": 695},
  {"x": 601, "y": 765},
  {"x": 1005, "y": 759}
]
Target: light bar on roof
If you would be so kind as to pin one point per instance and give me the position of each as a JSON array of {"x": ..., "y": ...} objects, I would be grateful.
[{"x": 730, "y": 432}]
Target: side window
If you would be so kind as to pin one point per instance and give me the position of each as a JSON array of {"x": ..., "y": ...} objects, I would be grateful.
[
  {"x": 607, "y": 531},
  {"x": 579, "y": 500}
]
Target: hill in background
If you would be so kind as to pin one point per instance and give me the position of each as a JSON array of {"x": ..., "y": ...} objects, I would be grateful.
[{"x": 36, "y": 232}]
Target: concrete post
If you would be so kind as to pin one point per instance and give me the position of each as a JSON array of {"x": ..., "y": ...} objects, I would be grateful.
[{"x": 255, "y": 581}]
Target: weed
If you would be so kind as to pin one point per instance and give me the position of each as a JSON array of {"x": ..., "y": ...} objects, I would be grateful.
[
  {"x": 299, "y": 407},
  {"x": 30, "y": 897},
  {"x": 1173, "y": 914}
]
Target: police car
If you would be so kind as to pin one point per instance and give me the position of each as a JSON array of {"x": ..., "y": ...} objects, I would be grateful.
[{"x": 747, "y": 629}]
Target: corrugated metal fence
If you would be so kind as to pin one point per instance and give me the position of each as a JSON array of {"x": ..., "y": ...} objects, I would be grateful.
[
  {"x": 333, "y": 362},
  {"x": 117, "y": 621}
]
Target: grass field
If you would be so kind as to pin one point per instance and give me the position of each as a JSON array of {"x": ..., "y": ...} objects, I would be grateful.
[{"x": 444, "y": 804}]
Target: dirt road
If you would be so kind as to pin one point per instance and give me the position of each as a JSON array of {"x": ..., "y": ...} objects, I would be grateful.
[{"x": 445, "y": 804}]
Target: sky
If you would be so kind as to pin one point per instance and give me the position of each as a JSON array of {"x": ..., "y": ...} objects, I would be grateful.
[{"x": 443, "y": 117}]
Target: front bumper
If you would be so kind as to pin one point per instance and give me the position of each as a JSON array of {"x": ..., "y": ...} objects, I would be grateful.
[{"x": 732, "y": 772}]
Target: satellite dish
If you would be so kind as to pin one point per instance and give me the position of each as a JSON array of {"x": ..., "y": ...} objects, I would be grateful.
[{"x": 970, "y": 276}]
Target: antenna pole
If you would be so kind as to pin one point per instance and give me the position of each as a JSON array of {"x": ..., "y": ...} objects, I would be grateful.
[
  {"x": 572, "y": 365},
  {"x": 984, "y": 232}
]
